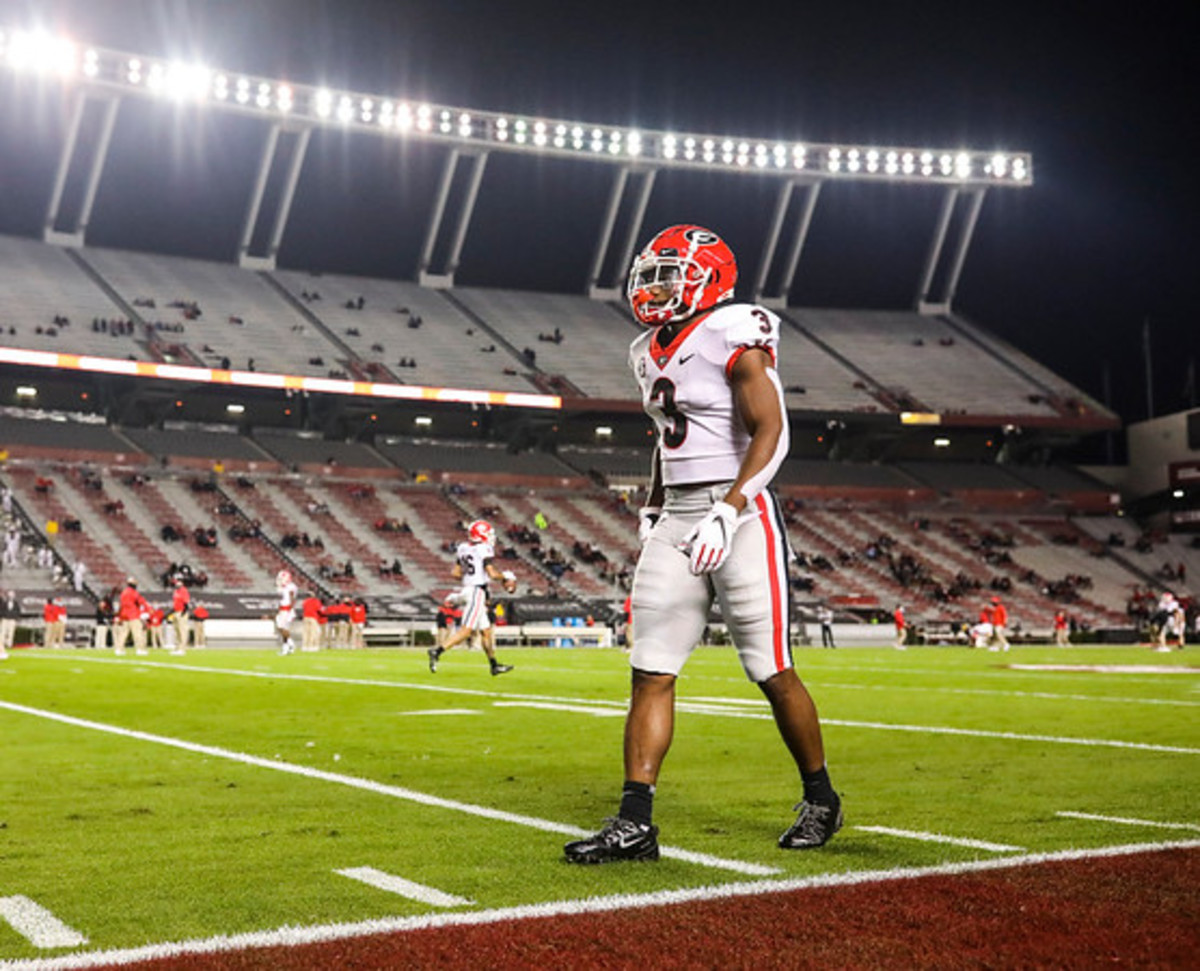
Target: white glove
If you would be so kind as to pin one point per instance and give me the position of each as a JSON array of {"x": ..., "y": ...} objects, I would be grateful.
[
  {"x": 647, "y": 517},
  {"x": 709, "y": 541}
]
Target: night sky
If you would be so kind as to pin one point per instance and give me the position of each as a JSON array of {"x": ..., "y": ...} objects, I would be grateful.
[{"x": 1067, "y": 270}]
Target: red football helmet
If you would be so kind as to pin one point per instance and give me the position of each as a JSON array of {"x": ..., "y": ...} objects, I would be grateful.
[
  {"x": 692, "y": 264},
  {"x": 481, "y": 531}
]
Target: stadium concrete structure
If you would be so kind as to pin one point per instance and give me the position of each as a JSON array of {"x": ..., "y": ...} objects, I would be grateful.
[{"x": 151, "y": 397}]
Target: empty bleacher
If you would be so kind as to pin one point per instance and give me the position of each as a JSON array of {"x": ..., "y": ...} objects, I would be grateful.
[
  {"x": 583, "y": 340},
  {"x": 40, "y": 282},
  {"x": 408, "y": 323},
  {"x": 242, "y": 319},
  {"x": 926, "y": 361}
]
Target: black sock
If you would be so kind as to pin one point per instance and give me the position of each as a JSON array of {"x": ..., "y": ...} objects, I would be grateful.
[
  {"x": 637, "y": 802},
  {"x": 818, "y": 788}
]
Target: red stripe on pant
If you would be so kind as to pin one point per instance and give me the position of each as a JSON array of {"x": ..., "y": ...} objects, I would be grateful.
[{"x": 778, "y": 626}]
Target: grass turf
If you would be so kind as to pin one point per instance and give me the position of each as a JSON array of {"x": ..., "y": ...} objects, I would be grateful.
[{"x": 131, "y": 841}]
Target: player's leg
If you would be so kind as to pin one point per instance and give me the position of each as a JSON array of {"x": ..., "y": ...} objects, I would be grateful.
[
  {"x": 283, "y": 632},
  {"x": 753, "y": 592},
  {"x": 670, "y": 609},
  {"x": 487, "y": 642},
  {"x": 474, "y": 618}
]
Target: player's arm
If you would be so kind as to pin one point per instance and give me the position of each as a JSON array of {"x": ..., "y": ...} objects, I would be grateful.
[
  {"x": 507, "y": 577},
  {"x": 756, "y": 398},
  {"x": 456, "y": 571},
  {"x": 650, "y": 513},
  {"x": 655, "y": 498}
]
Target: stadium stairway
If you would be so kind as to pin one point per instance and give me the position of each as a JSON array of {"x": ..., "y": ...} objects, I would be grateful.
[
  {"x": 577, "y": 578},
  {"x": 170, "y": 501},
  {"x": 362, "y": 512},
  {"x": 103, "y": 568}
]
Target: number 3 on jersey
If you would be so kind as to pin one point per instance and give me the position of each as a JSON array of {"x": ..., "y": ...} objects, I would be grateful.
[{"x": 674, "y": 429}]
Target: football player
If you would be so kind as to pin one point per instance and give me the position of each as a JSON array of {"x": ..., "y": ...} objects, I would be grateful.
[
  {"x": 286, "y": 614},
  {"x": 473, "y": 566},
  {"x": 711, "y": 529}
]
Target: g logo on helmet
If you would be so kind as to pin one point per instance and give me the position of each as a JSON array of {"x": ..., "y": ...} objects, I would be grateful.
[{"x": 701, "y": 237}]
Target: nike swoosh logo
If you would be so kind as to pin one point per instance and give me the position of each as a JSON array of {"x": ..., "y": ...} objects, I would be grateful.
[{"x": 686, "y": 357}]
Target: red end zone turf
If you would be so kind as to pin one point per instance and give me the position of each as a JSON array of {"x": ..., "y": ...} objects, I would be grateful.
[{"x": 1141, "y": 911}]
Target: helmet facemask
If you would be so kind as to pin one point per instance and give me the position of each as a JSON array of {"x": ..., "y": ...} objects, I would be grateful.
[{"x": 682, "y": 278}]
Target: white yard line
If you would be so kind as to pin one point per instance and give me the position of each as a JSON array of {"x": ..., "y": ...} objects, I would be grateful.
[
  {"x": 405, "y": 888},
  {"x": 683, "y": 705},
  {"x": 1109, "y": 668},
  {"x": 1017, "y": 736},
  {"x": 1001, "y": 693},
  {"x": 1127, "y": 821},
  {"x": 37, "y": 925},
  {"x": 912, "y": 834},
  {"x": 291, "y": 936},
  {"x": 369, "y": 785}
]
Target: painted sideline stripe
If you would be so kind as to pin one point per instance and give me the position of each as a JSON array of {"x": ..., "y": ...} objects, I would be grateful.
[
  {"x": 1128, "y": 821},
  {"x": 680, "y": 706},
  {"x": 289, "y": 936},
  {"x": 369, "y": 785},
  {"x": 555, "y": 706},
  {"x": 37, "y": 925},
  {"x": 939, "y": 838},
  {"x": 405, "y": 888}
]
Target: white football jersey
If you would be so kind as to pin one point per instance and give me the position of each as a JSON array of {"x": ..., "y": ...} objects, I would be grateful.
[
  {"x": 685, "y": 390},
  {"x": 287, "y": 596},
  {"x": 473, "y": 558}
]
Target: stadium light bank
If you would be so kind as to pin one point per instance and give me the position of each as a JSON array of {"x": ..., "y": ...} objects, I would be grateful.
[{"x": 38, "y": 52}]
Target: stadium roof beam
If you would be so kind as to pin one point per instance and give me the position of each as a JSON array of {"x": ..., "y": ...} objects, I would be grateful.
[
  {"x": 271, "y": 151},
  {"x": 72, "y": 234},
  {"x": 426, "y": 275},
  {"x": 108, "y": 75},
  {"x": 611, "y": 287},
  {"x": 925, "y": 303}
]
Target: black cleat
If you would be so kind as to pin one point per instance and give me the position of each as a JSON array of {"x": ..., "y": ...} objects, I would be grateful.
[
  {"x": 814, "y": 827},
  {"x": 501, "y": 668},
  {"x": 433, "y": 659},
  {"x": 621, "y": 839}
]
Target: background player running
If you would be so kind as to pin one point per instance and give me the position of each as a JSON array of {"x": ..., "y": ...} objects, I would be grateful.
[{"x": 473, "y": 566}]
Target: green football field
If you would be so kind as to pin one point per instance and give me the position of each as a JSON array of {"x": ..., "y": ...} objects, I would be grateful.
[{"x": 156, "y": 800}]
